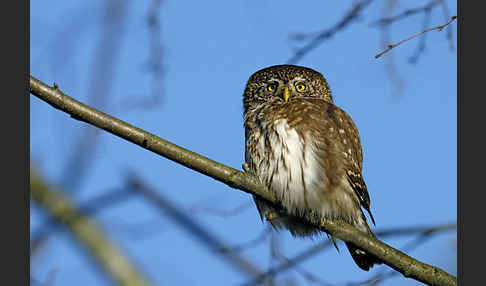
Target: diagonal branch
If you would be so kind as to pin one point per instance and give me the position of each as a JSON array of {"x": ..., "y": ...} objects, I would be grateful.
[
  {"x": 392, "y": 257},
  {"x": 87, "y": 233},
  {"x": 192, "y": 227},
  {"x": 89, "y": 208},
  {"x": 105, "y": 59},
  {"x": 149, "y": 141},
  {"x": 407, "y": 13},
  {"x": 351, "y": 15},
  {"x": 314, "y": 250}
]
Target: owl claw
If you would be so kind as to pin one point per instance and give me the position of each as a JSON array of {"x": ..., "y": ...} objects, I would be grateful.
[
  {"x": 245, "y": 167},
  {"x": 270, "y": 216}
]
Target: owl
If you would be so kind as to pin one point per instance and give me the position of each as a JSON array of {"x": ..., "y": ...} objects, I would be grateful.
[{"x": 307, "y": 151}]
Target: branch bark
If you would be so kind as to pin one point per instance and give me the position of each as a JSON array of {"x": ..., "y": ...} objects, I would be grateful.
[
  {"x": 114, "y": 263},
  {"x": 392, "y": 257},
  {"x": 292, "y": 262}
]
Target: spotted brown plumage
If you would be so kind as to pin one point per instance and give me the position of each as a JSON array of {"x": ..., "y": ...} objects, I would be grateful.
[{"x": 307, "y": 151}]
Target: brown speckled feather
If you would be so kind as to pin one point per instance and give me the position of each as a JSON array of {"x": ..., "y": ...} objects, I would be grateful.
[{"x": 307, "y": 151}]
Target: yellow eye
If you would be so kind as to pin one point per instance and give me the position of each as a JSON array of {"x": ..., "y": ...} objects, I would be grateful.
[
  {"x": 300, "y": 86},
  {"x": 271, "y": 87}
]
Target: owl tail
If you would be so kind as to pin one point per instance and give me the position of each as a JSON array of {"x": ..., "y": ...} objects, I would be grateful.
[{"x": 363, "y": 259}]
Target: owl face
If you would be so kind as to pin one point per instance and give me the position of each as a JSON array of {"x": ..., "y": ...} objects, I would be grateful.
[{"x": 283, "y": 83}]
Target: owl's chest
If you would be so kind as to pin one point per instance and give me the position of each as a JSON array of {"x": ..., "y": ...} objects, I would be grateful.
[{"x": 286, "y": 161}]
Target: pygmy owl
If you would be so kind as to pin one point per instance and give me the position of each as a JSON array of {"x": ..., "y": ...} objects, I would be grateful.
[{"x": 305, "y": 150}]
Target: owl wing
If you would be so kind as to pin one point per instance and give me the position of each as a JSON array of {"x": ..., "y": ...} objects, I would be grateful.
[
  {"x": 349, "y": 132},
  {"x": 357, "y": 183}
]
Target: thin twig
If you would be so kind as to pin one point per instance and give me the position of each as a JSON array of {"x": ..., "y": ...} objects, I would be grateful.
[
  {"x": 191, "y": 226},
  {"x": 383, "y": 274},
  {"x": 253, "y": 242},
  {"x": 105, "y": 58},
  {"x": 154, "y": 63},
  {"x": 110, "y": 198},
  {"x": 438, "y": 28},
  {"x": 389, "y": 63},
  {"x": 306, "y": 274},
  {"x": 390, "y": 256},
  {"x": 445, "y": 11},
  {"x": 407, "y": 13},
  {"x": 314, "y": 250},
  {"x": 220, "y": 212},
  {"x": 421, "y": 46},
  {"x": 352, "y": 14}
]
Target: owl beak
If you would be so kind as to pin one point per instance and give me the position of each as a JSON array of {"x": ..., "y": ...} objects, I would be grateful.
[{"x": 286, "y": 94}]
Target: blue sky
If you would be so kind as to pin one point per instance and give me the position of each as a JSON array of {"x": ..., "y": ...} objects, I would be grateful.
[{"x": 209, "y": 50}]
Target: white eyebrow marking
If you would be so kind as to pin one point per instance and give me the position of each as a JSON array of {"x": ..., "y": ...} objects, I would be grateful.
[{"x": 298, "y": 78}]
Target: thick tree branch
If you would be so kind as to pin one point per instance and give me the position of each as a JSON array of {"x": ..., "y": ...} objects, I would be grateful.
[
  {"x": 394, "y": 258},
  {"x": 422, "y": 231},
  {"x": 87, "y": 233},
  {"x": 201, "y": 164}
]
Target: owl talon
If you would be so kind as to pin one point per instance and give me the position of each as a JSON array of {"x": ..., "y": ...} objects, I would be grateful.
[
  {"x": 270, "y": 216},
  {"x": 245, "y": 167}
]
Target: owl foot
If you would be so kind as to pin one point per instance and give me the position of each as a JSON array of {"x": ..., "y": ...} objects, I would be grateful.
[
  {"x": 245, "y": 167},
  {"x": 270, "y": 216}
]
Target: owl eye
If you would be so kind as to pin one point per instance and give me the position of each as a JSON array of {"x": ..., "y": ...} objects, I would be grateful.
[
  {"x": 300, "y": 86},
  {"x": 272, "y": 87}
]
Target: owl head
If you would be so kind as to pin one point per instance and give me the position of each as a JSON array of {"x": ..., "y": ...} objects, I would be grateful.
[{"x": 282, "y": 83}]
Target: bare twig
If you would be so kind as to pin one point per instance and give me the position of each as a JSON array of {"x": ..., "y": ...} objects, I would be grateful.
[
  {"x": 390, "y": 256},
  {"x": 407, "y": 13},
  {"x": 103, "y": 66},
  {"x": 230, "y": 176},
  {"x": 306, "y": 274},
  {"x": 154, "y": 63},
  {"x": 58, "y": 52},
  {"x": 156, "y": 51},
  {"x": 421, "y": 238},
  {"x": 389, "y": 62},
  {"x": 421, "y": 46},
  {"x": 445, "y": 11},
  {"x": 352, "y": 14},
  {"x": 88, "y": 234},
  {"x": 438, "y": 28},
  {"x": 110, "y": 198},
  {"x": 187, "y": 223},
  {"x": 139, "y": 230},
  {"x": 373, "y": 280},
  {"x": 292, "y": 262},
  {"x": 220, "y": 212},
  {"x": 253, "y": 242},
  {"x": 274, "y": 249}
]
